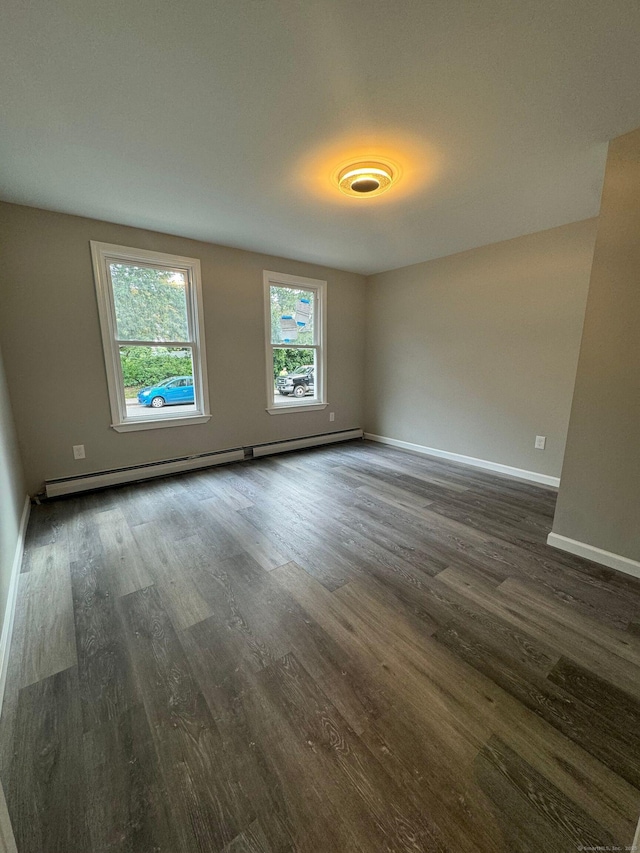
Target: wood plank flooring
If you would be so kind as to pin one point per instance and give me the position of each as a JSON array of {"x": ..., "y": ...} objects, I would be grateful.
[{"x": 344, "y": 649}]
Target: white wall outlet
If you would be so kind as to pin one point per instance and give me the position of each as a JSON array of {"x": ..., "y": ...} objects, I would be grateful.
[
  {"x": 332, "y": 416},
  {"x": 78, "y": 451},
  {"x": 541, "y": 440}
]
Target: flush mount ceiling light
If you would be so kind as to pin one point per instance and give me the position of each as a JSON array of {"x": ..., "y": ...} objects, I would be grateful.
[{"x": 363, "y": 180}]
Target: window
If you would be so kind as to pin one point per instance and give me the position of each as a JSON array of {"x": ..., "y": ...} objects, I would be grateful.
[
  {"x": 295, "y": 310},
  {"x": 150, "y": 307}
]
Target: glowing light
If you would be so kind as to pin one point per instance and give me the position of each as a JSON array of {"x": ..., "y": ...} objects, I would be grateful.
[
  {"x": 363, "y": 180},
  {"x": 414, "y": 163}
]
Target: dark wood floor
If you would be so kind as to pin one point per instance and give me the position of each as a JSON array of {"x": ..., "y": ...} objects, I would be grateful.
[{"x": 347, "y": 649}]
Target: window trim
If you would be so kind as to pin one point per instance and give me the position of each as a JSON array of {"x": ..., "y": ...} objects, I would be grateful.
[
  {"x": 320, "y": 332},
  {"x": 101, "y": 254}
]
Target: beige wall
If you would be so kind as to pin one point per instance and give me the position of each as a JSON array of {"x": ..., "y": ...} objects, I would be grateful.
[
  {"x": 55, "y": 365},
  {"x": 12, "y": 492},
  {"x": 476, "y": 353},
  {"x": 599, "y": 500}
]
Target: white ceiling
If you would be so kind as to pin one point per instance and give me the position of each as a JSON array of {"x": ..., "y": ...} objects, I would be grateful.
[{"x": 223, "y": 120}]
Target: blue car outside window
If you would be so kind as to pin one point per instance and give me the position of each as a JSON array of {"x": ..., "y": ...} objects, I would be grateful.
[{"x": 172, "y": 391}]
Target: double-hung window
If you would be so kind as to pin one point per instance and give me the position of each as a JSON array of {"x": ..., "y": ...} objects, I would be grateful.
[
  {"x": 295, "y": 324},
  {"x": 150, "y": 307}
]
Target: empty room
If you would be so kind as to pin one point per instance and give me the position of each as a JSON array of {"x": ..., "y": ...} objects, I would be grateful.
[{"x": 319, "y": 426}]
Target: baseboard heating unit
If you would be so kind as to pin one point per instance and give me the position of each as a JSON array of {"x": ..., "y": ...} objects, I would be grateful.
[
  {"x": 307, "y": 441},
  {"x": 117, "y": 476}
]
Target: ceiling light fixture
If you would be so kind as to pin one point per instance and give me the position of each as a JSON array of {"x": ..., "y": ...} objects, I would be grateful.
[{"x": 363, "y": 180}]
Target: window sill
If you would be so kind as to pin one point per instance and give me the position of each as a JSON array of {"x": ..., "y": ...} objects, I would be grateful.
[
  {"x": 133, "y": 426},
  {"x": 296, "y": 407}
]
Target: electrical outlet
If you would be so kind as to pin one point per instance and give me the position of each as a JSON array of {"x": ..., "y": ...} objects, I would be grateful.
[
  {"x": 541, "y": 440},
  {"x": 332, "y": 416},
  {"x": 78, "y": 451}
]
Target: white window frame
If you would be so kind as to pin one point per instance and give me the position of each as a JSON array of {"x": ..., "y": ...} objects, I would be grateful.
[
  {"x": 102, "y": 254},
  {"x": 319, "y": 288}
]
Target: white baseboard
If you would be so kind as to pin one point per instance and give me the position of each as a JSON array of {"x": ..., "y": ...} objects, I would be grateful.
[
  {"x": 590, "y": 552},
  {"x": 10, "y": 609},
  {"x": 520, "y": 473}
]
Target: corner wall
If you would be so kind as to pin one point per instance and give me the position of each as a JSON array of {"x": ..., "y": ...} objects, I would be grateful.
[
  {"x": 599, "y": 499},
  {"x": 12, "y": 493},
  {"x": 476, "y": 353},
  {"x": 55, "y": 365}
]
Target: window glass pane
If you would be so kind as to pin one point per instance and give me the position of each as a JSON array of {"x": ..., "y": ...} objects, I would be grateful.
[
  {"x": 292, "y": 313},
  {"x": 150, "y": 303},
  {"x": 294, "y": 375},
  {"x": 158, "y": 381}
]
